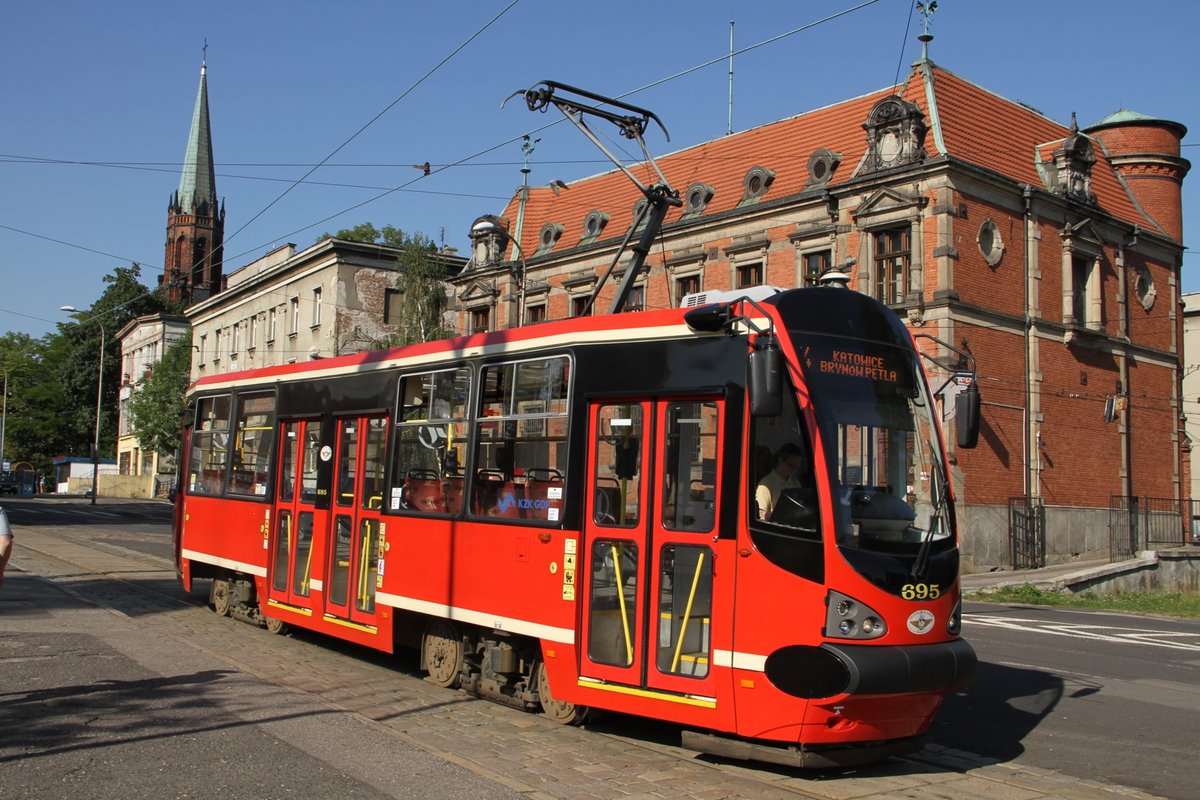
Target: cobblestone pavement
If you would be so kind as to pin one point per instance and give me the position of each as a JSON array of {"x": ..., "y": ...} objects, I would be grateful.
[{"x": 617, "y": 757}]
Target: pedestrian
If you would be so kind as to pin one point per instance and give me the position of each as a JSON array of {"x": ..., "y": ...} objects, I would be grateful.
[{"x": 6, "y": 542}]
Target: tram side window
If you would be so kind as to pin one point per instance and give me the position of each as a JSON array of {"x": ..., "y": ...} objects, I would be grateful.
[
  {"x": 782, "y": 484},
  {"x": 431, "y": 436},
  {"x": 690, "y": 472},
  {"x": 372, "y": 495},
  {"x": 210, "y": 443},
  {"x": 254, "y": 440},
  {"x": 521, "y": 440},
  {"x": 616, "y": 495}
]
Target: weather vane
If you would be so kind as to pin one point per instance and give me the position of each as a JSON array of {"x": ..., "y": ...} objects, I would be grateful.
[{"x": 926, "y": 11}]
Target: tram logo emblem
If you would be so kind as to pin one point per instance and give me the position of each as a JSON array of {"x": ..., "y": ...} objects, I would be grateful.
[{"x": 920, "y": 622}]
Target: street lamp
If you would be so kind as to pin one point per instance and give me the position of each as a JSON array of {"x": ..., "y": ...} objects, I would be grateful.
[
  {"x": 4, "y": 417},
  {"x": 99, "y": 397}
]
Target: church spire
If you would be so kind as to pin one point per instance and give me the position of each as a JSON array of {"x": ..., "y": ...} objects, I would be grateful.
[
  {"x": 195, "y": 222},
  {"x": 198, "y": 183}
]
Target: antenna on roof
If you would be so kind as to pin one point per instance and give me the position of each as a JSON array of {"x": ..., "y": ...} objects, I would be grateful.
[{"x": 730, "y": 130}]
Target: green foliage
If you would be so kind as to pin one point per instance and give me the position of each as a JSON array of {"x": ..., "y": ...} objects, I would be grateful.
[
  {"x": 367, "y": 232},
  {"x": 1173, "y": 604},
  {"x": 156, "y": 408},
  {"x": 35, "y": 402},
  {"x": 423, "y": 302},
  {"x": 75, "y": 353}
]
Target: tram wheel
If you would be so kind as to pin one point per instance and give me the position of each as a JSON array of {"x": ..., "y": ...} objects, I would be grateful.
[
  {"x": 442, "y": 653},
  {"x": 276, "y": 626},
  {"x": 561, "y": 712},
  {"x": 222, "y": 597}
]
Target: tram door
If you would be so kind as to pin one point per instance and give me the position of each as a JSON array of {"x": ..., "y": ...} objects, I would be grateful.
[
  {"x": 355, "y": 528},
  {"x": 647, "y": 558},
  {"x": 297, "y": 514}
]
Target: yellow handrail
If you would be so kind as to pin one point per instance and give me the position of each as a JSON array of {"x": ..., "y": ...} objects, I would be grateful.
[
  {"x": 687, "y": 614},
  {"x": 616, "y": 553},
  {"x": 307, "y": 566},
  {"x": 363, "y": 567}
]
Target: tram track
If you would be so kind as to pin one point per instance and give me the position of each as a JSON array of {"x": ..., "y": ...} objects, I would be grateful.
[
  {"x": 122, "y": 580},
  {"x": 72, "y": 565}
]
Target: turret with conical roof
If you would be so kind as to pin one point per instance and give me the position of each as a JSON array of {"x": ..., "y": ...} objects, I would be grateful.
[
  {"x": 1145, "y": 151},
  {"x": 195, "y": 220}
]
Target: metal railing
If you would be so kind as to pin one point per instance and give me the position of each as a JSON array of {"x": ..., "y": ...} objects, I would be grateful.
[
  {"x": 1027, "y": 532},
  {"x": 1142, "y": 523}
]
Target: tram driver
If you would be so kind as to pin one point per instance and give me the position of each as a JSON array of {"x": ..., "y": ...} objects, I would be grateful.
[{"x": 791, "y": 475}]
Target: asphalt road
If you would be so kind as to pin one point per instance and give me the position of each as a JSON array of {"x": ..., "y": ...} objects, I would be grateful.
[
  {"x": 1110, "y": 698},
  {"x": 1115, "y": 697}
]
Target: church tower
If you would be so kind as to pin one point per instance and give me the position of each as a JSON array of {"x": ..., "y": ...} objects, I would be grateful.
[{"x": 195, "y": 222}]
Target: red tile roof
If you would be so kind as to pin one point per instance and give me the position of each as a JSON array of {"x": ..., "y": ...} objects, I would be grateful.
[{"x": 977, "y": 126}]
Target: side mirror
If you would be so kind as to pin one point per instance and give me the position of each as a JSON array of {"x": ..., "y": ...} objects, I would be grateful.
[
  {"x": 966, "y": 416},
  {"x": 766, "y": 380}
]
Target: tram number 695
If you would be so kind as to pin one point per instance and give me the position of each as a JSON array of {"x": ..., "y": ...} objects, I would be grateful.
[{"x": 920, "y": 591}]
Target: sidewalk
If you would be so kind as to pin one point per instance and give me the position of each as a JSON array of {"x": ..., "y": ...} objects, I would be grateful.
[
  {"x": 1051, "y": 578},
  {"x": 512, "y": 750}
]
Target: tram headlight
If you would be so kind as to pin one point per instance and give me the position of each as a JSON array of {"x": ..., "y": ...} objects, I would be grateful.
[{"x": 848, "y": 618}]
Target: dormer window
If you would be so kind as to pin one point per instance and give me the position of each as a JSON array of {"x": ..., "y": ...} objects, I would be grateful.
[
  {"x": 821, "y": 165},
  {"x": 641, "y": 213},
  {"x": 593, "y": 226},
  {"x": 756, "y": 183},
  {"x": 697, "y": 198},
  {"x": 1073, "y": 161},
  {"x": 548, "y": 237},
  {"x": 489, "y": 239},
  {"x": 895, "y": 134}
]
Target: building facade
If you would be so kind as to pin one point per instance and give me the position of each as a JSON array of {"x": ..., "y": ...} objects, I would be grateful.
[
  {"x": 1191, "y": 399},
  {"x": 143, "y": 341},
  {"x": 333, "y": 298},
  {"x": 1050, "y": 254}
]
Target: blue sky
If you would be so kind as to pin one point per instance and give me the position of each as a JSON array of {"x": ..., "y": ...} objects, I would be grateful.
[{"x": 113, "y": 85}]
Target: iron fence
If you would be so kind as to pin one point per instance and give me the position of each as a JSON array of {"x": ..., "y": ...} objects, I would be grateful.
[
  {"x": 1142, "y": 523},
  {"x": 1027, "y": 532}
]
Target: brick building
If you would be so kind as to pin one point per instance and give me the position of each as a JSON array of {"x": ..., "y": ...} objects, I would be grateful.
[{"x": 1050, "y": 253}]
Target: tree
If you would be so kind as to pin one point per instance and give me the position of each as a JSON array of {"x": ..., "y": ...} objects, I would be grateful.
[
  {"x": 423, "y": 300},
  {"x": 75, "y": 349},
  {"x": 35, "y": 404},
  {"x": 156, "y": 408}
]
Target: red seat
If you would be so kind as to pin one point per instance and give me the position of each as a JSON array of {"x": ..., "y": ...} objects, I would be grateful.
[
  {"x": 452, "y": 491},
  {"x": 423, "y": 492}
]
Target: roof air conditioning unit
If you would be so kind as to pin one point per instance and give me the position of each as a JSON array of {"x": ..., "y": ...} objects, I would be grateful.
[{"x": 697, "y": 299}]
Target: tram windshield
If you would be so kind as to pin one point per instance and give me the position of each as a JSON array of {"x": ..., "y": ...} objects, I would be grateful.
[{"x": 877, "y": 422}]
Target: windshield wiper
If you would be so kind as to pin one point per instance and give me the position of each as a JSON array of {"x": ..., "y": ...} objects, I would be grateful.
[{"x": 921, "y": 563}]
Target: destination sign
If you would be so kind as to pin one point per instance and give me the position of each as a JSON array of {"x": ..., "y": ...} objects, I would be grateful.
[{"x": 857, "y": 365}]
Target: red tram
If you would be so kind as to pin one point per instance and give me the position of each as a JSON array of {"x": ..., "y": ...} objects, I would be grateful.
[{"x": 735, "y": 517}]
